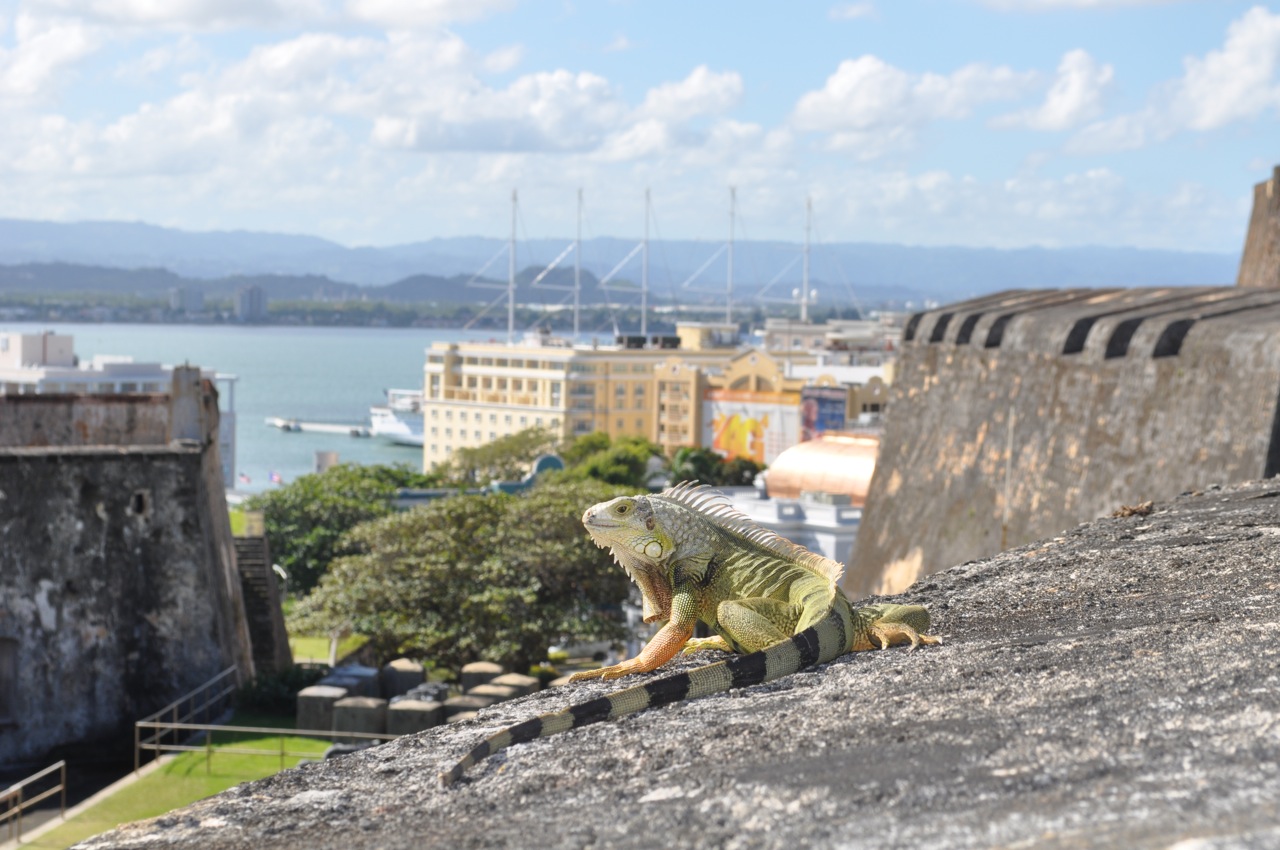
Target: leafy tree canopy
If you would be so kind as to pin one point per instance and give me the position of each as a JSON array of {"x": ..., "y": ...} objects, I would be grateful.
[
  {"x": 507, "y": 458},
  {"x": 493, "y": 577},
  {"x": 709, "y": 467},
  {"x": 624, "y": 461},
  {"x": 306, "y": 518}
]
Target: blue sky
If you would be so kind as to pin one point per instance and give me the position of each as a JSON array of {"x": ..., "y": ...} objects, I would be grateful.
[{"x": 995, "y": 123}]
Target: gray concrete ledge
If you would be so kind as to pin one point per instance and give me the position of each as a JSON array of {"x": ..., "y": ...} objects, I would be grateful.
[{"x": 1118, "y": 685}]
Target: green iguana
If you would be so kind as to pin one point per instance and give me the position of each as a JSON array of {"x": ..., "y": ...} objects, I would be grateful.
[{"x": 697, "y": 559}]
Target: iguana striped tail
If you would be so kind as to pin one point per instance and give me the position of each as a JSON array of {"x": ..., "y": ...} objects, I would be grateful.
[{"x": 827, "y": 639}]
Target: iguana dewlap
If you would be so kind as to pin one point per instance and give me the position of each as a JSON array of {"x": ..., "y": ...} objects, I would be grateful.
[{"x": 697, "y": 559}]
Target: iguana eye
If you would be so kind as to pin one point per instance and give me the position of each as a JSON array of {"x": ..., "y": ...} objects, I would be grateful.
[{"x": 622, "y": 508}]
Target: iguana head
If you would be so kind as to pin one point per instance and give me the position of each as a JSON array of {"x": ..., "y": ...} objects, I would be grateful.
[{"x": 628, "y": 527}]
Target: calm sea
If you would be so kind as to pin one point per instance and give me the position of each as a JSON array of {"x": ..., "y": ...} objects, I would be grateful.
[{"x": 311, "y": 374}]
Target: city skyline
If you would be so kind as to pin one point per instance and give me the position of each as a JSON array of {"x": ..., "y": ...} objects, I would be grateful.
[{"x": 1003, "y": 123}]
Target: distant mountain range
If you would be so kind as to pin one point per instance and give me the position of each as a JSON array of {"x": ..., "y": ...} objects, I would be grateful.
[{"x": 141, "y": 258}]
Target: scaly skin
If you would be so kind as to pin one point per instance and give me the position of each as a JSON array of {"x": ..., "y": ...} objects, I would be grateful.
[{"x": 695, "y": 559}]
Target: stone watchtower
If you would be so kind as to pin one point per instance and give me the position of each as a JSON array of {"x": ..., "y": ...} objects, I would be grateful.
[{"x": 1260, "y": 264}]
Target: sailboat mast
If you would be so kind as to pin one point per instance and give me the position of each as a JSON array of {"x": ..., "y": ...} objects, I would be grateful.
[
  {"x": 577, "y": 270},
  {"x": 511, "y": 276},
  {"x": 644, "y": 272},
  {"x": 804, "y": 285},
  {"x": 728, "y": 300}
]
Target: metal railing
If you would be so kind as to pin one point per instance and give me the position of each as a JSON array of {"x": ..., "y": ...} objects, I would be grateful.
[
  {"x": 204, "y": 703},
  {"x": 15, "y": 801},
  {"x": 209, "y": 730}
]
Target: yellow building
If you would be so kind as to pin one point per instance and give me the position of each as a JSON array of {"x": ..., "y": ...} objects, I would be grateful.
[
  {"x": 704, "y": 393},
  {"x": 477, "y": 392}
]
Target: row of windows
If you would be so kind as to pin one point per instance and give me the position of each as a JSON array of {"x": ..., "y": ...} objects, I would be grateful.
[{"x": 462, "y": 432}]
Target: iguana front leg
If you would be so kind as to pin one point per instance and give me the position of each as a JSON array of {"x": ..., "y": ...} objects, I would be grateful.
[{"x": 660, "y": 649}]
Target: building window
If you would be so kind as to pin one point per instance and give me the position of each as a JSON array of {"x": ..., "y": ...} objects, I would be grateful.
[
  {"x": 8, "y": 680},
  {"x": 524, "y": 421}
]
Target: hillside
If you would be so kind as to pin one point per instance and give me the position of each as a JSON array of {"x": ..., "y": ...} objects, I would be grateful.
[{"x": 840, "y": 271}]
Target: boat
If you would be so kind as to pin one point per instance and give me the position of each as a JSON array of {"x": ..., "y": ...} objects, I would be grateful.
[{"x": 399, "y": 420}]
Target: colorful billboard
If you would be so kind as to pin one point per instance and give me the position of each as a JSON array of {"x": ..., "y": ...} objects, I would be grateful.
[
  {"x": 822, "y": 409},
  {"x": 758, "y": 426}
]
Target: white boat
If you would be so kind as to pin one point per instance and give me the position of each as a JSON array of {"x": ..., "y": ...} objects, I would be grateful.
[{"x": 400, "y": 419}]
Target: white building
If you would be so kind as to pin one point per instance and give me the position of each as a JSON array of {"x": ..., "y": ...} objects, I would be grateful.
[{"x": 46, "y": 364}]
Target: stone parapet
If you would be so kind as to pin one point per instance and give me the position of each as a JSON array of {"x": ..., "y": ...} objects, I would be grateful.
[{"x": 1020, "y": 414}]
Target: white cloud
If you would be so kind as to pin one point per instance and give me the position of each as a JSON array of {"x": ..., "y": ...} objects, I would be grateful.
[
  {"x": 503, "y": 59},
  {"x": 619, "y": 44},
  {"x": 867, "y": 101},
  {"x": 1238, "y": 82},
  {"x": 851, "y": 11},
  {"x": 1074, "y": 97},
  {"x": 43, "y": 51},
  {"x": 546, "y": 111},
  {"x": 419, "y": 14},
  {"x": 703, "y": 92},
  {"x": 185, "y": 51},
  {"x": 185, "y": 14}
]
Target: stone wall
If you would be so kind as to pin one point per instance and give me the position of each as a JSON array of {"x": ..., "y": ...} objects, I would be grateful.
[
  {"x": 1260, "y": 262},
  {"x": 118, "y": 583},
  {"x": 1021, "y": 414}
]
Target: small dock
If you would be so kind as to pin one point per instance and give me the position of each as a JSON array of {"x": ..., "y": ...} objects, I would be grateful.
[{"x": 318, "y": 427}]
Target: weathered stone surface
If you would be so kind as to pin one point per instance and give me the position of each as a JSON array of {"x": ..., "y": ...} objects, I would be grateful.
[
  {"x": 315, "y": 707},
  {"x": 1020, "y": 414},
  {"x": 399, "y": 676},
  {"x": 479, "y": 673},
  {"x": 413, "y": 715},
  {"x": 118, "y": 583},
  {"x": 360, "y": 714},
  {"x": 1260, "y": 260},
  {"x": 468, "y": 702},
  {"x": 498, "y": 692},
  {"x": 1115, "y": 686},
  {"x": 524, "y": 685},
  {"x": 116, "y": 586}
]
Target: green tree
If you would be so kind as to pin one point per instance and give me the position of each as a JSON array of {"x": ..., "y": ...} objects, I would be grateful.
[
  {"x": 624, "y": 462},
  {"x": 493, "y": 577},
  {"x": 581, "y": 448},
  {"x": 504, "y": 459},
  {"x": 709, "y": 467},
  {"x": 306, "y": 518}
]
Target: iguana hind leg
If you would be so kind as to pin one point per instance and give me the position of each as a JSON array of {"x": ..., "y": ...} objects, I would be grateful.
[
  {"x": 887, "y": 624},
  {"x": 750, "y": 625}
]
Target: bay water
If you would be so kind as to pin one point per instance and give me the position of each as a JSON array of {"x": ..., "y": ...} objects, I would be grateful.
[{"x": 313, "y": 374}]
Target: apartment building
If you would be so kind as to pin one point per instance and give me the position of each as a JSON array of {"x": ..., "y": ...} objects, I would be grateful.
[
  {"x": 477, "y": 392},
  {"x": 695, "y": 389}
]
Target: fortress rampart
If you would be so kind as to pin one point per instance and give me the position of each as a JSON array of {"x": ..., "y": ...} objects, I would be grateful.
[
  {"x": 118, "y": 582},
  {"x": 1260, "y": 262},
  {"x": 1018, "y": 415}
]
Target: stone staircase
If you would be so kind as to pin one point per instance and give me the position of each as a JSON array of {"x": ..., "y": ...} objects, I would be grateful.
[{"x": 262, "y": 605}]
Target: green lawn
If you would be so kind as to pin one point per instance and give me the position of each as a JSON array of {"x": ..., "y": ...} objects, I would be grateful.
[
  {"x": 317, "y": 648},
  {"x": 183, "y": 781}
]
